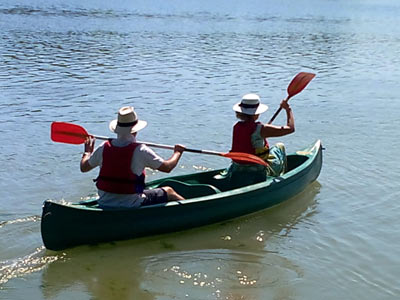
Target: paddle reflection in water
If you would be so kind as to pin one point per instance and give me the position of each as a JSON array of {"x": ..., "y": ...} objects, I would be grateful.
[{"x": 238, "y": 259}]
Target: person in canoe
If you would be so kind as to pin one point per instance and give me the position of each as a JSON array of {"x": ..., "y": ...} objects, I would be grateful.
[
  {"x": 250, "y": 136},
  {"x": 122, "y": 161}
]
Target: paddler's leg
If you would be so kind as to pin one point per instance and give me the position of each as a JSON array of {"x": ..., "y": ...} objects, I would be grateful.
[
  {"x": 160, "y": 195},
  {"x": 281, "y": 146},
  {"x": 171, "y": 194},
  {"x": 277, "y": 160}
]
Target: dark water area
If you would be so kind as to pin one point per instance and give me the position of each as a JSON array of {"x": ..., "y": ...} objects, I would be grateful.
[{"x": 183, "y": 65}]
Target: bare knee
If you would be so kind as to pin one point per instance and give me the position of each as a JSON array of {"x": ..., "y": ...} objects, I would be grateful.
[{"x": 172, "y": 194}]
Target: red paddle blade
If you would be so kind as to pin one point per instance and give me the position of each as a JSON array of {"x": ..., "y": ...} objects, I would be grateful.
[
  {"x": 245, "y": 158},
  {"x": 68, "y": 133},
  {"x": 298, "y": 83}
]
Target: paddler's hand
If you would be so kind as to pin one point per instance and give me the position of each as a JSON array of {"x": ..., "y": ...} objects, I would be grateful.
[
  {"x": 89, "y": 144},
  {"x": 179, "y": 148},
  {"x": 169, "y": 164},
  {"x": 89, "y": 147},
  {"x": 285, "y": 105}
]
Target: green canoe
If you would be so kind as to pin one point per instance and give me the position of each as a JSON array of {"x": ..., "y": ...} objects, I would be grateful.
[{"x": 209, "y": 199}]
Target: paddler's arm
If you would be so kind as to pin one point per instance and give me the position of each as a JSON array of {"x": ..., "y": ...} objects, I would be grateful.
[
  {"x": 89, "y": 147},
  {"x": 269, "y": 130},
  {"x": 169, "y": 164}
]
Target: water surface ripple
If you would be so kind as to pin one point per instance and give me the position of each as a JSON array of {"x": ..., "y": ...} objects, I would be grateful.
[{"x": 182, "y": 66}]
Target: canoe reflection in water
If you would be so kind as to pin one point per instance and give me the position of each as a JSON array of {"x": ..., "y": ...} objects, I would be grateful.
[{"x": 217, "y": 259}]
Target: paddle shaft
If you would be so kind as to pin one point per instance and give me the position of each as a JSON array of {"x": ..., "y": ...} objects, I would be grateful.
[
  {"x": 277, "y": 112},
  {"x": 69, "y": 133},
  {"x": 161, "y": 146}
]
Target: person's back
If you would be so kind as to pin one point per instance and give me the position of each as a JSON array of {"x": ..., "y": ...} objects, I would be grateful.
[
  {"x": 250, "y": 136},
  {"x": 122, "y": 161},
  {"x": 116, "y": 175},
  {"x": 241, "y": 137}
]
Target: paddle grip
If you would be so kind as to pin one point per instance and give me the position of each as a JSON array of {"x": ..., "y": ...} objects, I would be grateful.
[{"x": 279, "y": 110}]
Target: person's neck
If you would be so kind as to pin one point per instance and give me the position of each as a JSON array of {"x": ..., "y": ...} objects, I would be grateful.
[
  {"x": 247, "y": 120},
  {"x": 126, "y": 137}
]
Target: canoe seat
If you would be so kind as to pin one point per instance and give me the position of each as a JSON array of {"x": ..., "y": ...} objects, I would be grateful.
[{"x": 190, "y": 190}]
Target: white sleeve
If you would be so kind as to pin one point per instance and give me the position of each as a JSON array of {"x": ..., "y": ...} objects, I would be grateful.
[
  {"x": 145, "y": 157},
  {"x": 96, "y": 159}
]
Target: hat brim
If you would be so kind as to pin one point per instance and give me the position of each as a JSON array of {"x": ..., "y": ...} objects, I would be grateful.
[
  {"x": 117, "y": 129},
  {"x": 250, "y": 111}
]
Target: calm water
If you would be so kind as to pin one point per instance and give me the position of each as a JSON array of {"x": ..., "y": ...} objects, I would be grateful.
[{"x": 182, "y": 65}]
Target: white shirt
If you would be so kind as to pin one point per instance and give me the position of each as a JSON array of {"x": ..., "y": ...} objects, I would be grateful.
[{"x": 143, "y": 157}]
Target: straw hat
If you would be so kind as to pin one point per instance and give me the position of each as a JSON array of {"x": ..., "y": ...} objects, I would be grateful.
[
  {"x": 250, "y": 105},
  {"x": 127, "y": 121}
]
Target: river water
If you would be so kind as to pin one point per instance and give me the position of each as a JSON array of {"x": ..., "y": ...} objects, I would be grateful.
[{"x": 182, "y": 65}]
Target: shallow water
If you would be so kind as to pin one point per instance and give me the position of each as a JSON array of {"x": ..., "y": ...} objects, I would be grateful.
[{"x": 183, "y": 65}]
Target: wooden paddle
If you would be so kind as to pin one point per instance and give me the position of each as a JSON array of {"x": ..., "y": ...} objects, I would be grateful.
[
  {"x": 298, "y": 83},
  {"x": 69, "y": 133}
]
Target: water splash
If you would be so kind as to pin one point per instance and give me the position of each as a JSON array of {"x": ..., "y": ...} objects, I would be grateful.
[
  {"x": 20, "y": 220},
  {"x": 23, "y": 266}
]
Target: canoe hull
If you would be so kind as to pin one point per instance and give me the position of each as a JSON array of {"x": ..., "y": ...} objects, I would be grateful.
[{"x": 64, "y": 226}]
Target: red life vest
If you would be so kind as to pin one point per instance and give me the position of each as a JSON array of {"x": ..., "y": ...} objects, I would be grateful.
[
  {"x": 115, "y": 174},
  {"x": 241, "y": 138}
]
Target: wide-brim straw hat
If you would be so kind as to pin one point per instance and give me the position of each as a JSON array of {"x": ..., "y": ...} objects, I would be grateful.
[
  {"x": 250, "y": 105},
  {"x": 127, "y": 121}
]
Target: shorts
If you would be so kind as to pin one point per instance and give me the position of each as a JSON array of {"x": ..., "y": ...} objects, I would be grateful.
[
  {"x": 154, "y": 196},
  {"x": 277, "y": 160}
]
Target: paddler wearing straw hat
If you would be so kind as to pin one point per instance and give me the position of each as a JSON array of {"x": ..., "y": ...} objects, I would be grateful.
[
  {"x": 250, "y": 136},
  {"x": 122, "y": 161}
]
